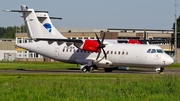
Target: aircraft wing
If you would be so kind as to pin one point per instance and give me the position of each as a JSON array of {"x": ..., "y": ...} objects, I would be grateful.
[
  {"x": 60, "y": 40},
  {"x": 77, "y": 42}
]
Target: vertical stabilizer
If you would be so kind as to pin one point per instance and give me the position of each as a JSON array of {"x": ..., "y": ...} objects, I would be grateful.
[{"x": 38, "y": 24}]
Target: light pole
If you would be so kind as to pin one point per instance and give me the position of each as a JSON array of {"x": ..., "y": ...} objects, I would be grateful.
[{"x": 175, "y": 34}]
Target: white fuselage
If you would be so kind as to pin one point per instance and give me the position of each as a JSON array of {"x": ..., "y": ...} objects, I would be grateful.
[{"x": 117, "y": 54}]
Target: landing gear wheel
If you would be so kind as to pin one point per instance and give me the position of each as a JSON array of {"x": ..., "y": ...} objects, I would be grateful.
[
  {"x": 161, "y": 70},
  {"x": 84, "y": 69},
  {"x": 91, "y": 69}
]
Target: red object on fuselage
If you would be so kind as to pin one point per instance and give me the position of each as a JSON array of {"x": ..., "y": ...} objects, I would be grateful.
[{"x": 91, "y": 45}]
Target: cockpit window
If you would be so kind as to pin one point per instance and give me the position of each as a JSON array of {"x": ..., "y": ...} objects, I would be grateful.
[
  {"x": 159, "y": 50},
  {"x": 153, "y": 51},
  {"x": 149, "y": 51}
]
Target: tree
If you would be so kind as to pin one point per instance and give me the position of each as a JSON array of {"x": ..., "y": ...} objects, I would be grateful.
[
  {"x": 2, "y": 31},
  {"x": 178, "y": 32},
  {"x": 10, "y": 32}
]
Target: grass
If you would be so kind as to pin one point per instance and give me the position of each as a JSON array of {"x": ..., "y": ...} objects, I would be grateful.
[
  {"x": 174, "y": 65},
  {"x": 7, "y": 65},
  {"x": 85, "y": 87},
  {"x": 89, "y": 87},
  {"x": 4, "y": 65}
]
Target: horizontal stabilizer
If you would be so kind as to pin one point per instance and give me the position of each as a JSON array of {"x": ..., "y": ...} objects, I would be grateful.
[
  {"x": 56, "y": 18},
  {"x": 20, "y": 11}
]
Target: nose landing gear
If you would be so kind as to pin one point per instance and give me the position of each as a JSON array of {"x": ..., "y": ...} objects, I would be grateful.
[{"x": 160, "y": 70}]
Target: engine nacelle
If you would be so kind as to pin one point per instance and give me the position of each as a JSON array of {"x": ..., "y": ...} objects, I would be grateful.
[
  {"x": 104, "y": 63},
  {"x": 90, "y": 45}
]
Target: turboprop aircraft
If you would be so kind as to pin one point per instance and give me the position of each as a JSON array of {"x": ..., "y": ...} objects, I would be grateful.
[{"x": 90, "y": 54}]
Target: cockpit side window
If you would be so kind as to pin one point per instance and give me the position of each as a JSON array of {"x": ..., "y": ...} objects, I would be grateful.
[
  {"x": 153, "y": 51},
  {"x": 159, "y": 50},
  {"x": 149, "y": 51}
]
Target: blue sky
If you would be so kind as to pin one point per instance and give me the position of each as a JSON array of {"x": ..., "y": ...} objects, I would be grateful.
[{"x": 148, "y": 14}]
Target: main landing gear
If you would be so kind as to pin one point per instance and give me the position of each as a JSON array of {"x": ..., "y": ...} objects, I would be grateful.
[{"x": 90, "y": 69}]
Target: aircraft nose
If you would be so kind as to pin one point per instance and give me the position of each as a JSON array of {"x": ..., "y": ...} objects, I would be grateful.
[{"x": 169, "y": 61}]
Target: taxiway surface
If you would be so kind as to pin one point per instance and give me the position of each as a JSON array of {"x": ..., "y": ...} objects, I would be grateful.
[{"x": 144, "y": 71}]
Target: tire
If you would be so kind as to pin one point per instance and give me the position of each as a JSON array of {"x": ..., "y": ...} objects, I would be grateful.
[
  {"x": 91, "y": 69},
  {"x": 84, "y": 69}
]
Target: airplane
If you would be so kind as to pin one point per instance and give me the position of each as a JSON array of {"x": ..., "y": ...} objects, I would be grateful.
[{"x": 89, "y": 53}]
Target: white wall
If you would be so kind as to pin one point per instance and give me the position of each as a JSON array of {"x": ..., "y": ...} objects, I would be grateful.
[{"x": 11, "y": 56}]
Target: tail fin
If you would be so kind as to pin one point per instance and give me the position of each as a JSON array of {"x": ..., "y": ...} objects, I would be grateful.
[{"x": 38, "y": 24}]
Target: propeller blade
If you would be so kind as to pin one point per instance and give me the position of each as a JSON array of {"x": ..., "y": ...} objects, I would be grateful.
[
  {"x": 105, "y": 55},
  {"x": 103, "y": 38},
  {"x": 101, "y": 46},
  {"x": 97, "y": 38},
  {"x": 98, "y": 55}
]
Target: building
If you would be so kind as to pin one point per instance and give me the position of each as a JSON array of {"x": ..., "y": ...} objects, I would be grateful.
[{"x": 7, "y": 50}]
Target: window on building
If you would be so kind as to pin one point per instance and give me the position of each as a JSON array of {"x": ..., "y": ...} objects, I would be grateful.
[{"x": 19, "y": 40}]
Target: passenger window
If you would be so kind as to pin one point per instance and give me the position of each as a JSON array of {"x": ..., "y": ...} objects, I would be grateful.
[
  {"x": 122, "y": 53},
  {"x": 63, "y": 49},
  {"x": 126, "y": 53},
  {"x": 149, "y": 51},
  {"x": 119, "y": 53},
  {"x": 111, "y": 52},
  {"x": 115, "y": 52},
  {"x": 153, "y": 51},
  {"x": 107, "y": 52}
]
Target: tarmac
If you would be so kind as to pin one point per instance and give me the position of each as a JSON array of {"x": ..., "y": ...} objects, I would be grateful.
[{"x": 101, "y": 71}]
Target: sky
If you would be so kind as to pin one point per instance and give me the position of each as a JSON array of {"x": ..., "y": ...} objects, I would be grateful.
[{"x": 130, "y": 14}]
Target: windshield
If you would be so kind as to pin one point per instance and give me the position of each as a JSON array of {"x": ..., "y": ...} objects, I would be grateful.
[
  {"x": 155, "y": 51},
  {"x": 159, "y": 50}
]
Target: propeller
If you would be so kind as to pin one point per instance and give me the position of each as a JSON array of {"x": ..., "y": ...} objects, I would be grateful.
[{"x": 101, "y": 46}]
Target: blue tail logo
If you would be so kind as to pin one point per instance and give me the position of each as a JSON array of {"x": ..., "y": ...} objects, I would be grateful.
[{"x": 48, "y": 27}]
